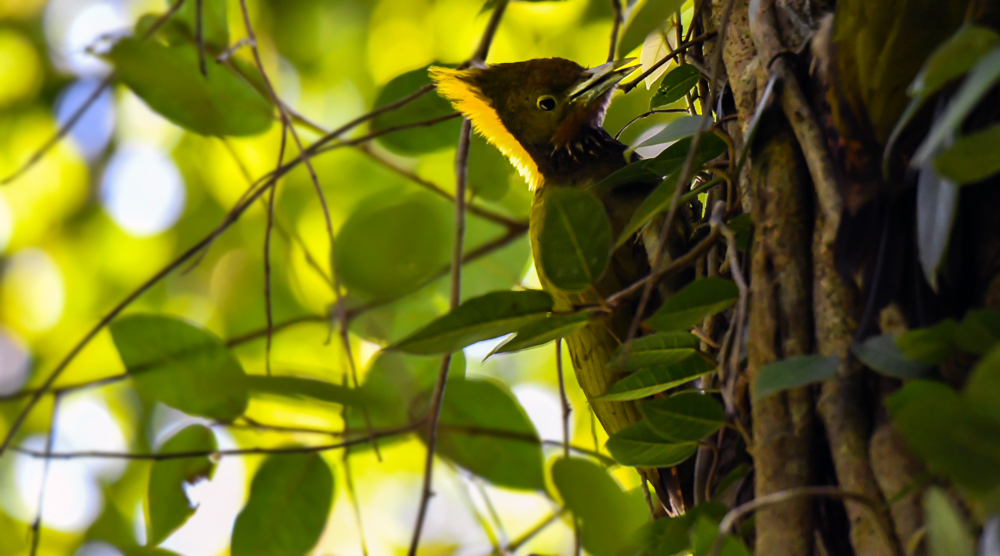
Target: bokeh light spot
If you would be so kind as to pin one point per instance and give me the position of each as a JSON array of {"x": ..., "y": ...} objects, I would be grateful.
[
  {"x": 93, "y": 130},
  {"x": 6, "y": 223},
  {"x": 14, "y": 361},
  {"x": 32, "y": 293},
  {"x": 20, "y": 71},
  {"x": 142, "y": 190}
]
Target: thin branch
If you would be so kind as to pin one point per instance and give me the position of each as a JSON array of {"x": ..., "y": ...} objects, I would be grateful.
[
  {"x": 199, "y": 34},
  {"x": 525, "y": 537},
  {"x": 268, "y": 309},
  {"x": 616, "y": 5},
  {"x": 626, "y": 88},
  {"x": 566, "y": 408},
  {"x": 36, "y": 525},
  {"x": 783, "y": 496}
]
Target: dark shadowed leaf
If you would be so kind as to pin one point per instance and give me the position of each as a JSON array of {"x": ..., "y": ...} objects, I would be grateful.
[
  {"x": 699, "y": 299},
  {"x": 656, "y": 202},
  {"x": 181, "y": 365},
  {"x": 982, "y": 390},
  {"x": 675, "y": 85},
  {"x": 169, "y": 507},
  {"x": 947, "y": 533},
  {"x": 682, "y": 127},
  {"x": 544, "y": 331},
  {"x": 653, "y": 380},
  {"x": 574, "y": 241},
  {"x": 881, "y": 355},
  {"x": 704, "y": 534},
  {"x": 684, "y": 417},
  {"x": 669, "y": 160},
  {"x": 933, "y": 420},
  {"x": 296, "y": 387},
  {"x": 607, "y": 515},
  {"x": 979, "y": 331},
  {"x": 419, "y": 140},
  {"x": 478, "y": 319},
  {"x": 672, "y": 535},
  {"x": 952, "y": 59},
  {"x": 795, "y": 372},
  {"x": 484, "y": 429},
  {"x": 392, "y": 245},
  {"x": 639, "y": 446},
  {"x": 971, "y": 158},
  {"x": 655, "y": 350},
  {"x": 167, "y": 78},
  {"x": 982, "y": 77},
  {"x": 648, "y": 17},
  {"x": 937, "y": 201},
  {"x": 933, "y": 345},
  {"x": 289, "y": 502}
]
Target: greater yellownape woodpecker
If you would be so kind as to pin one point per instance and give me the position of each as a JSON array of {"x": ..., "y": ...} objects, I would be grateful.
[{"x": 546, "y": 115}]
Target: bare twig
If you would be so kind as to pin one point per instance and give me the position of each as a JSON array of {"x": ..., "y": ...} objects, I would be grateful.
[
  {"x": 36, "y": 525},
  {"x": 566, "y": 408},
  {"x": 616, "y": 5},
  {"x": 532, "y": 533},
  {"x": 268, "y": 310}
]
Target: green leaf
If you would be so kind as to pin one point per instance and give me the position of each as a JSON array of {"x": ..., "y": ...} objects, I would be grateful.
[
  {"x": 652, "y": 170},
  {"x": 952, "y": 59},
  {"x": 484, "y": 429},
  {"x": 982, "y": 389},
  {"x": 409, "y": 234},
  {"x": 111, "y": 526},
  {"x": 675, "y": 85},
  {"x": 668, "y": 536},
  {"x": 933, "y": 345},
  {"x": 168, "y": 79},
  {"x": 149, "y": 551},
  {"x": 680, "y": 128},
  {"x": 289, "y": 502},
  {"x": 684, "y": 417},
  {"x": 169, "y": 507},
  {"x": 795, "y": 372},
  {"x": 418, "y": 140},
  {"x": 704, "y": 534},
  {"x": 983, "y": 76},
  {"x": 653, "y": 380},
  {"x": 544, "y": 331},
  {"x": 971, "y": 158},
  {"x": 937, "y": 204},
  {"x": 478, "y": 319},
  {"x": 181, "y": 365},
  {"x": 881, "y": 355},
  {"x": 574, "y": 241},
  {"x": 979, "y": 331},
  {"x": 489, "y": 172},
  {"x": 950, "y": 439},
  {"x": 655, "y": 350},
  {"x": 215, "y": 23},
  {"x": 699, "y": 299},
  {"x": 296, "y": 387},
  {"x": 650, "y": 16},
  {"x": 639, "y": 446},
  {"x": 607, "y": 515},
  {"x": 656, "y": 202},
  {"x": 947, "y": 533}
]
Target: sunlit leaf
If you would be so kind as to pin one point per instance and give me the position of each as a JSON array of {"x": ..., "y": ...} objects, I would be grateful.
[
  {"x": 169, "y": 506},
  {"x": 296, "y": 387},
  {"x": 484, "y": 429},
  {"x": 167, "y": 78},
  {"x": 680, "y": 128},
  {"x": 639, "y": 446},
  {"x": 653, "y": 380},
  {"x": 675, "y": 86},
  {"x": 881, "y": 355},
  {"x": 419, "y": 140},
  {"x": 971, "y": 158},
  {"x": 645, "y": 19},
  {"x": 489, "y": 172},
  {"x": 947, "y": 533},
  {"x": 684, "y": 417},
  {"x": 183, "y": 366},
  {"x": 607, "y": 515},
  {"x": 214, "y": 21},
  {"x": 289, "y": 502},
  {"x": 111, "y": 526},
  {"x": 393, "y": 244},
  {"x": 478, "y": 319},
  {"x": 544, "y": 331},
  {"x": 574, "y": 241},
  {"x": 699, "y": 299},
  {"x": 794, "y": 372},
  {"x": 662, "y": 348}
]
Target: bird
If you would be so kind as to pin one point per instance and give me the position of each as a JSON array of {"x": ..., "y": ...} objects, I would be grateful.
[
  {"x": 866, "y": 55},
  {"x": 546, "y": 116}
]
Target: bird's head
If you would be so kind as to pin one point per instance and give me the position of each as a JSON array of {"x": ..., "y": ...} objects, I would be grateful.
[{"x": 531, "y": 109}]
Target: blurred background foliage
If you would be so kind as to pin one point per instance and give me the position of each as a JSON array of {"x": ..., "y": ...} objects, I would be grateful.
[{"x": 128, "y": 191}]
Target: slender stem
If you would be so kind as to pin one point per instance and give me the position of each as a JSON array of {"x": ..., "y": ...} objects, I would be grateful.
[
  {"x": 659, "y": 63},
  {"x": 199, "y": 34},
  {"x": 36, "y": 525},
  {"x": 566, "y": 408},
  {"x": 616, "y": 5}
]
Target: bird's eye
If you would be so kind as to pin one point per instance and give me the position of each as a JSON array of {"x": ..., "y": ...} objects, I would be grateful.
[{"x": 546, "y": 103}]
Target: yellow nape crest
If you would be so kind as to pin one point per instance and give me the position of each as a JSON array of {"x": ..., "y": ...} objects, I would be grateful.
[{"x": 457, "y": 87}]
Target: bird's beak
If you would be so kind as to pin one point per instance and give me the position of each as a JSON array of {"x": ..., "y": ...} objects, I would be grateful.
[{"x": 597, "y": 81}]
